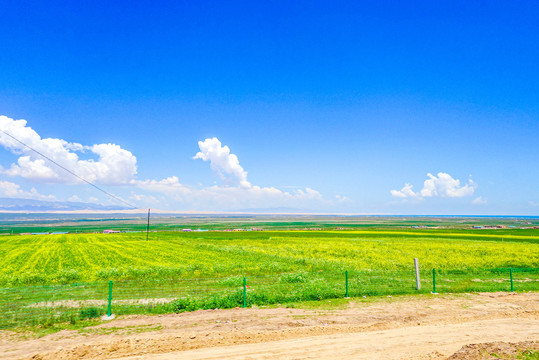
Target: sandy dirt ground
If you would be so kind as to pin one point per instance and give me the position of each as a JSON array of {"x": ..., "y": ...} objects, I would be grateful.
[{"x": 409, "y": 327}]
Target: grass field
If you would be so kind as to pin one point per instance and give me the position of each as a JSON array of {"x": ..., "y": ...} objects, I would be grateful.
[
  {"x": 52, "y": 278},
  {"x": 61, "y": 259},
  {"x": 22, "y": 223}
]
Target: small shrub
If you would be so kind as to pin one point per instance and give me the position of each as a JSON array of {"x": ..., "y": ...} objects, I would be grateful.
[
  {"x": 218, "y": 301},
  {"x": 182, "y": 305},
  {"x": 227, "y": 301},
  {"x": 89, "y": 313}
]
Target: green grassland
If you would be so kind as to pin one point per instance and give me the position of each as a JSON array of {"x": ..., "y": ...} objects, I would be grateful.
[
  {"x": 46, "y": 279},
  {"x": 60, "y": 259},
  {"x": 22, "y": 223}
]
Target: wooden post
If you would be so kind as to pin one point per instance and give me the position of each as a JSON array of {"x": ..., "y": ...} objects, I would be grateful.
[{"x": 417, "y": 279}]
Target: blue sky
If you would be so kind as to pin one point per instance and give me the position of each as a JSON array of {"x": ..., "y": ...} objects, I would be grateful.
[{"x": 323, "y": 106}]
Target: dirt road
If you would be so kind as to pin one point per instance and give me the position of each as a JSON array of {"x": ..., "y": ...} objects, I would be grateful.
[
  {"x": 428, "y": 342},
  {"x": 420, "y": 327}
]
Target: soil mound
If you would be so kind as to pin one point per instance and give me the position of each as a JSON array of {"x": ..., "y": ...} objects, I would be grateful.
[{"x": 498, "y": 350}]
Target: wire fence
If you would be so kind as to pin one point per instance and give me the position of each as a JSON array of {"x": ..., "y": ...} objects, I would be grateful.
[{"x": 46, "y": 305}]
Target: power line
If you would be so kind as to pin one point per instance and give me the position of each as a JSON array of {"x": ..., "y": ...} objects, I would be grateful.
[{"x": 69, "y": 171}]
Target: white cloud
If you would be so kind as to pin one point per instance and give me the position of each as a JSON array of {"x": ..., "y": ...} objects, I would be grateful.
[
  {"x": 219, "y": 197},
  {"x": 479, "y": 201},
  {"x": 32, "y": 169},
  {"x": 406, "y": 191},
  {"x": 12, "y": 190},
  {"x": 167, "y": 185},
  {"x": 445, "y": 186},
  {"x": 442, "y": 185},
  {"x": 74, "y": 198},
  {"x": 236, "y": 192},
  {"x": 146, "y": 199},
  {"x": 113, "y": 165},
  {"x": 225, "y": 164}
]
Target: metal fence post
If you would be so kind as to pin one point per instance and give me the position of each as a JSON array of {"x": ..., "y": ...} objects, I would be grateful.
[
  {"x": 346, "y": 276},
  {"x": 434, "y": 281},
  {"x": 109, "y": 308},
  {"x": 511, "y": 276},
  {"x": 244, "y": 292}
]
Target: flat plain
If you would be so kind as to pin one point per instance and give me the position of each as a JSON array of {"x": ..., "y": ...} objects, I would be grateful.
[
  {"x": 63, "y": 283},
  {"x": 68, "y": 258}
]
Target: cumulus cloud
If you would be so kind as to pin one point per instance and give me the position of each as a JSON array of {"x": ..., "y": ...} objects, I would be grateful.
[
  {"x": 74, "y": 198},
  {"x": 442, "y": 185},
  {"x": 168, "y": 185},
  {"x": 113, "y": 165},
  {"x": 406, "y": 191},
  {"x": 479, "y": 201},
  {"x": 229, "y": 197},
  {"x": 12, "y": 190},
  {"x": 225, "y": 164},
  {"x": 445, "y": 186},
  {"x": 220, "y": 197},
  {"x": 237, "y": 191}
]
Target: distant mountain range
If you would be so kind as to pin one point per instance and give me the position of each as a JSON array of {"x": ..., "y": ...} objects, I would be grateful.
[
  {"x": 12, "y": 204},
  {"x": 16, "y": 205}
]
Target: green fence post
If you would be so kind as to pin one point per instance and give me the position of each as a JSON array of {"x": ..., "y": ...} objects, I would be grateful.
[
  {"x": 511, "y": 276},
  {"x": 346, "y": 275},
  {"x": 434, "y": 281},
  {"x": 109, "y": 308},
  {"x": 244, "y": 292}
]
